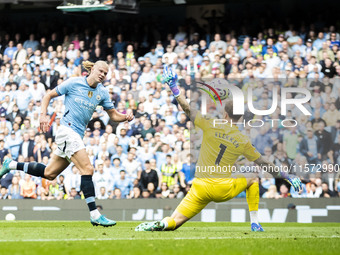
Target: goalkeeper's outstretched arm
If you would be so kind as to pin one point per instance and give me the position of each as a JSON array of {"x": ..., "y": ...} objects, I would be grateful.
[
  {"x": 191, "y": 113},
  {"x": 270, "y": 168},
  {"x": 170, "y": 78},
  {"x": 277, "y": 173}
]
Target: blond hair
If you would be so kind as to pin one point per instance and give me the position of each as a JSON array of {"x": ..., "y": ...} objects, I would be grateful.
[{"x": 88, "y": 64}]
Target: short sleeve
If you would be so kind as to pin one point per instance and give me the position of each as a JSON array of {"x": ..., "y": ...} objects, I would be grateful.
[
  {"x": 64, "y": 87},
  {"x": 106, "y": 101},
  {"x": 202, "y": 122},
  {"x": 250, "y": 152}
]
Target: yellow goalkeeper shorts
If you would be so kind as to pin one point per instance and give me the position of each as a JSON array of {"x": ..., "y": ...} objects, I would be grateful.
[{"x": 203, "y": 191}]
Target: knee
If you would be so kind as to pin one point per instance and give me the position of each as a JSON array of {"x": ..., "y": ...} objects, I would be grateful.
[
  {"x": 254, "y": 179},
  {"x": 50, "y": 176},
  {"x": 87, "y": 170},
  {"x": 49, "y": 173}
]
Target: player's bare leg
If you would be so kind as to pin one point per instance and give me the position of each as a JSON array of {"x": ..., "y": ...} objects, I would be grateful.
[
  {"x": 55, "y": 167},
  {"x": 82, "y": 162},
  {"x": 50, "y": 172}
]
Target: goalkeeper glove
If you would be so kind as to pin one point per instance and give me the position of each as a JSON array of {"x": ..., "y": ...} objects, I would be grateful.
[
  {"x": 170, "y": 78},
  {"x": 295, "y": 182}
]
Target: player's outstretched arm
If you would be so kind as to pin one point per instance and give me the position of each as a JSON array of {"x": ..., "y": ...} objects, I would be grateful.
[
  {"x": 44, "y": 120},
  {"x": 278, "y": 173},
  {"x": 191, "y": 113},
  {"x": 170, "y": 78},
  {"x": 120, "y": 117}
]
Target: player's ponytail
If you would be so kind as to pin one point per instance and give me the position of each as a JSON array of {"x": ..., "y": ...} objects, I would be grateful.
[{"x": 88, "y": 65}]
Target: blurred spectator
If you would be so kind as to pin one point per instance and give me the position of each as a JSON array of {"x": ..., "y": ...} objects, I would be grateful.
[
  {"x": 102, "y": 193},
  {"x": 3, "y": 151},
  {"x": 49, "y": 80},
  {"x": 23, "y": 97},
  {"x": 14, "y": 189},
  {"x": 169, "y": 174},
  {"x": 10, "y": 50},
  {"x": 271, "y": 193},
  {"x": 54, "y": 190},
  {"x": 284, "y": 191},
  {"x": 73, "y": 194},
  {"x": 177, "y": 191},
  {"x": 164, "y": 189},
  {"x": 147, "y": 128},
  {"x": 262, "y": 140},
  {"x": 146, "y": 193},
  {"x": 31, "y": 43},
  {"x": 313, "y": 192},
  {"x": 123, "y": 184},
  {"x": 116, "y": 194},
  {"x": 119, "y": 154},
  {"x": 290, "y": 143},
  {"x": 187, "y": 173},
  {"x": 72, "y": 180},
  {"x": 101, "y": 179},
  {"x": 5, "y": 125},
  {"x": 26, "y": 148},
  {"x": 332, "y": 115},
  {"x": 325, "y": 140},
  {"x": 62, "y": 188},
  {"x": 151, "y": 189},
  {"x": 326, "y": 192},
  {"x": 20, "y": 55},
  {"x": 4, "y": 193},
  {"x": 135, "y": 193},
  {"x": 148, "y": 175},
  {"x": 218, "y": 43},
  {"x": 310, "y": 147},
  {"x": 28, "y": 188},
  {"x": 132, "y": 166},
  {"x": 120, "y": 45}
]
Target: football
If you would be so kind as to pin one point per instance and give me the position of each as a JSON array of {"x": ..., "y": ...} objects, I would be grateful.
[
  {"x": 220, "y": 85},
  {"x": 10, "y": 217}
]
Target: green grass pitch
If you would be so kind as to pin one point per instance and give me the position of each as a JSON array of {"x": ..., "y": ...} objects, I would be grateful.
[{"x": 44, "y": 237}]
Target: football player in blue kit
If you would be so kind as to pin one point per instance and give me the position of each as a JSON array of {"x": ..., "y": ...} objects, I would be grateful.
[{"x": 82, "y": 96}]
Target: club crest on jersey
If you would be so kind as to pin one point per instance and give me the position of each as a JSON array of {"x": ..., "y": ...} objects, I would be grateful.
[
  {"x": 98, "y": 97},
  {"x": 90, "y": 94}
]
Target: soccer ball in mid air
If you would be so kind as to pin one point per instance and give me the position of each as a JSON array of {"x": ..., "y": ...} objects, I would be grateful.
[{"x": 220, "y": 85}]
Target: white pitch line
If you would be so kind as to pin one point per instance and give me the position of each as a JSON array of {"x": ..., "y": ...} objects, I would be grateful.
[{"x": 166, "y": 238}]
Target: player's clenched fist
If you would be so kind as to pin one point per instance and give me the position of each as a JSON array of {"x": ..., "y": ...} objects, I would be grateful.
[
  {"x": 44, "y": 123},
  {"x": 129, "y": 115}
]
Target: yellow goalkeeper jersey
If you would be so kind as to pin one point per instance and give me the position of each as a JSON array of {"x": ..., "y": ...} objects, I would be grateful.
[{"x": 221, "y": 146}]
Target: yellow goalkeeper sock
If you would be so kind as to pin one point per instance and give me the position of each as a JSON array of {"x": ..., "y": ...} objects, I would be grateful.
[
  {"x": 253, "y": 197},
  {"x": 169, "y": 223}
]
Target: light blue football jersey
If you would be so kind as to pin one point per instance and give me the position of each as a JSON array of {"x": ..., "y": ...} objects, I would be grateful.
[{"x": 81, "y": 101}]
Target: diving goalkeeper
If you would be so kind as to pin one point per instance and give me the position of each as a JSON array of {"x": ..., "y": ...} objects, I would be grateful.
[{"x": 221, "y": 146}]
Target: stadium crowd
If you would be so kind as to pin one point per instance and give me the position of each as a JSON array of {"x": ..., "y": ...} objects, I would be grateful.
[{"x": 150, "y": 157}]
